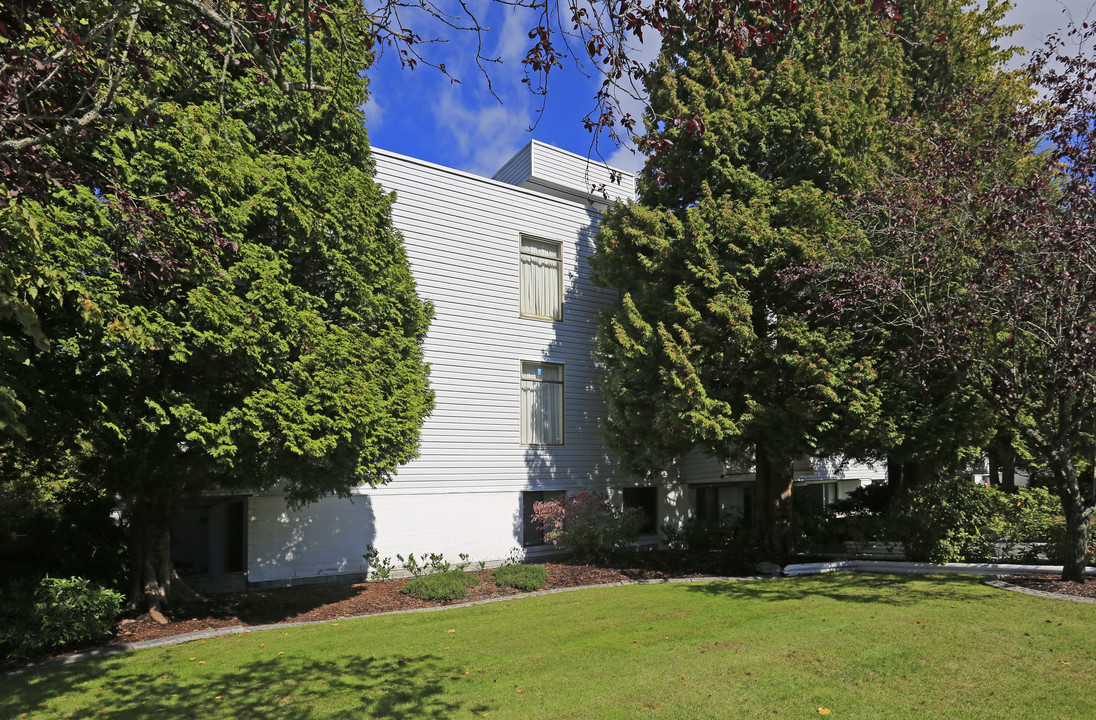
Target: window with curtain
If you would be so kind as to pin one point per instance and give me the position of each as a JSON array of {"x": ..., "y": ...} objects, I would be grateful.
[
  {"x": 541, "y": 403},
  {"x": 541, "y": 279}
]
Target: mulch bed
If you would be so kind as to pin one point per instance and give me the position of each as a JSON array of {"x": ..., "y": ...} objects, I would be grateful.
[
  {"x": 1053, "y": 584},
  {"x": 331, "y": 602}
]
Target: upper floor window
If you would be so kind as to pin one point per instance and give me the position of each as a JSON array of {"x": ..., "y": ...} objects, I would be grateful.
[
  {"x": 541, "y": 279},
  {"x": 541, "y": 403}
]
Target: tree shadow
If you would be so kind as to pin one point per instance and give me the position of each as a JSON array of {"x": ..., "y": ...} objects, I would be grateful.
[
  {"x": 375, "y": 687},
  {"x": 583, "y": 460},
  {"x": 869, "y": 589},
  {"x": 265, "y": 607}
]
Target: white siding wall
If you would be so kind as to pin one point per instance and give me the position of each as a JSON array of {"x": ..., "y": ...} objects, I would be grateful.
[
  {"x": 564, "y": 174},
  {"x": 518, "y": 168},
  {"x": 326, "y": 538},
  {"x": 463, "y": 494},
  {"x": 330, "y": 537},
  {"x": 462, "y": 235},
  {"x": 554, "y": 167}
]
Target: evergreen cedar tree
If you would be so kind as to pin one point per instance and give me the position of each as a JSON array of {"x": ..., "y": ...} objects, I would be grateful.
[
  {"x": 227, "y": 306},
  {"x": 199, "y": 285},
  {"x": 714, "y": 343},
  {"x": 981, "y": 247}
]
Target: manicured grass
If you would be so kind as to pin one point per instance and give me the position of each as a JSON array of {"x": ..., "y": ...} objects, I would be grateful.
[{"x": 860, "y": 646}]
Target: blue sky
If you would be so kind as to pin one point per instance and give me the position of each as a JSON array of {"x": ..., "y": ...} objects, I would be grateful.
[{"x": 422, "y": 114}]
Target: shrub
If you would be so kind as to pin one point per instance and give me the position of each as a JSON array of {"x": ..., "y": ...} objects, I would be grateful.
[
  {"x": 522, "y": 577},
  {"x": 64, "y": 612},
  {"x": 948, "y": 519},
  {"x": 1031, "y": 525},
  {"x": 587, "y": 525},
  {"x": 443, "y": 586},
  {"x": 695, "y": 535}
]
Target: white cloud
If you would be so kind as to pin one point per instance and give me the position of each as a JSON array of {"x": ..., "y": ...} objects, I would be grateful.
[
  {"x": 484, "y": 135},
  {"x": 374, "y": 112}
]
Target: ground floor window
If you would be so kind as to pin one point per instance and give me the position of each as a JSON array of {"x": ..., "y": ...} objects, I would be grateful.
[
  {"x": 532, "y": 534},
  {"x": 818, "y": 496},
  {"x": 644, "y": 499},
  {"x": 706, "y": 504}
]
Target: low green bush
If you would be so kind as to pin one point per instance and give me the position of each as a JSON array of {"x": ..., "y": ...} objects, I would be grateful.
[
  {"x": 522, "y": 577},
  {"x": 64, "y": 612},
  {"x": 443, "y": 586}
]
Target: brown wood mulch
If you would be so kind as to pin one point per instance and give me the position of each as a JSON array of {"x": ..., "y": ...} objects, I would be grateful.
[
  {"x": 331, "y": 602},
  {"x": 1053, "y": 584}
]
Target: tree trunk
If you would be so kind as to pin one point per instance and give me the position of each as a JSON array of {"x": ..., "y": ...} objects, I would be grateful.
[
  {"x": 772, "y": 523},
  {"x": 894, "y": 473},
  {"x": 994, "y": 467},
  {"x": 1076, "y": 540},
  {"x": 916, "y": 473},
  {"x": 1008, "y": 471},
  {"x": 153, "y": 580}
]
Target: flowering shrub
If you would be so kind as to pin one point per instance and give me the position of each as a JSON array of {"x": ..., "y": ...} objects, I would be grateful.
[{"x": 586, "y": 524}]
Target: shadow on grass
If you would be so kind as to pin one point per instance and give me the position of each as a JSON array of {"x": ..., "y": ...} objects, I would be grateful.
[
  {"x": 389, "y": 687},
  {"x": 846, "y": 587}
]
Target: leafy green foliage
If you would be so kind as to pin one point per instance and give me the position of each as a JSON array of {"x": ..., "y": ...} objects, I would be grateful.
[
  {"x": 716, "y": 343},
  {"x": 239, "y": 313},
  {"x": 54, "y": 523},
  {"x": 981, "y": 267},
  {"x": 522, "y": 577},
  {"x": 441, "y": 586},
  {"x": 949, "y": 519},
  {"x": 65, "y": 612}
]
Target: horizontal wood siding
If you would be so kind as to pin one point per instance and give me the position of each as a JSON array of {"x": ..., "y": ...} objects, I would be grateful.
[
  {"x": 558, "y": 168},
  {"x": 518, "y": 168},
  {"x": 462, "y": 234}
]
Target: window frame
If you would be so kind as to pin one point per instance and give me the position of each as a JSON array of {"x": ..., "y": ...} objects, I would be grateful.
[
  {"x": 522, "y": 254},
  {"x": 522, "y": 403}
]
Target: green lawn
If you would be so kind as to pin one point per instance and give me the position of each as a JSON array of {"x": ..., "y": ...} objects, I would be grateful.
[{"x": 859, "y": 646}]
